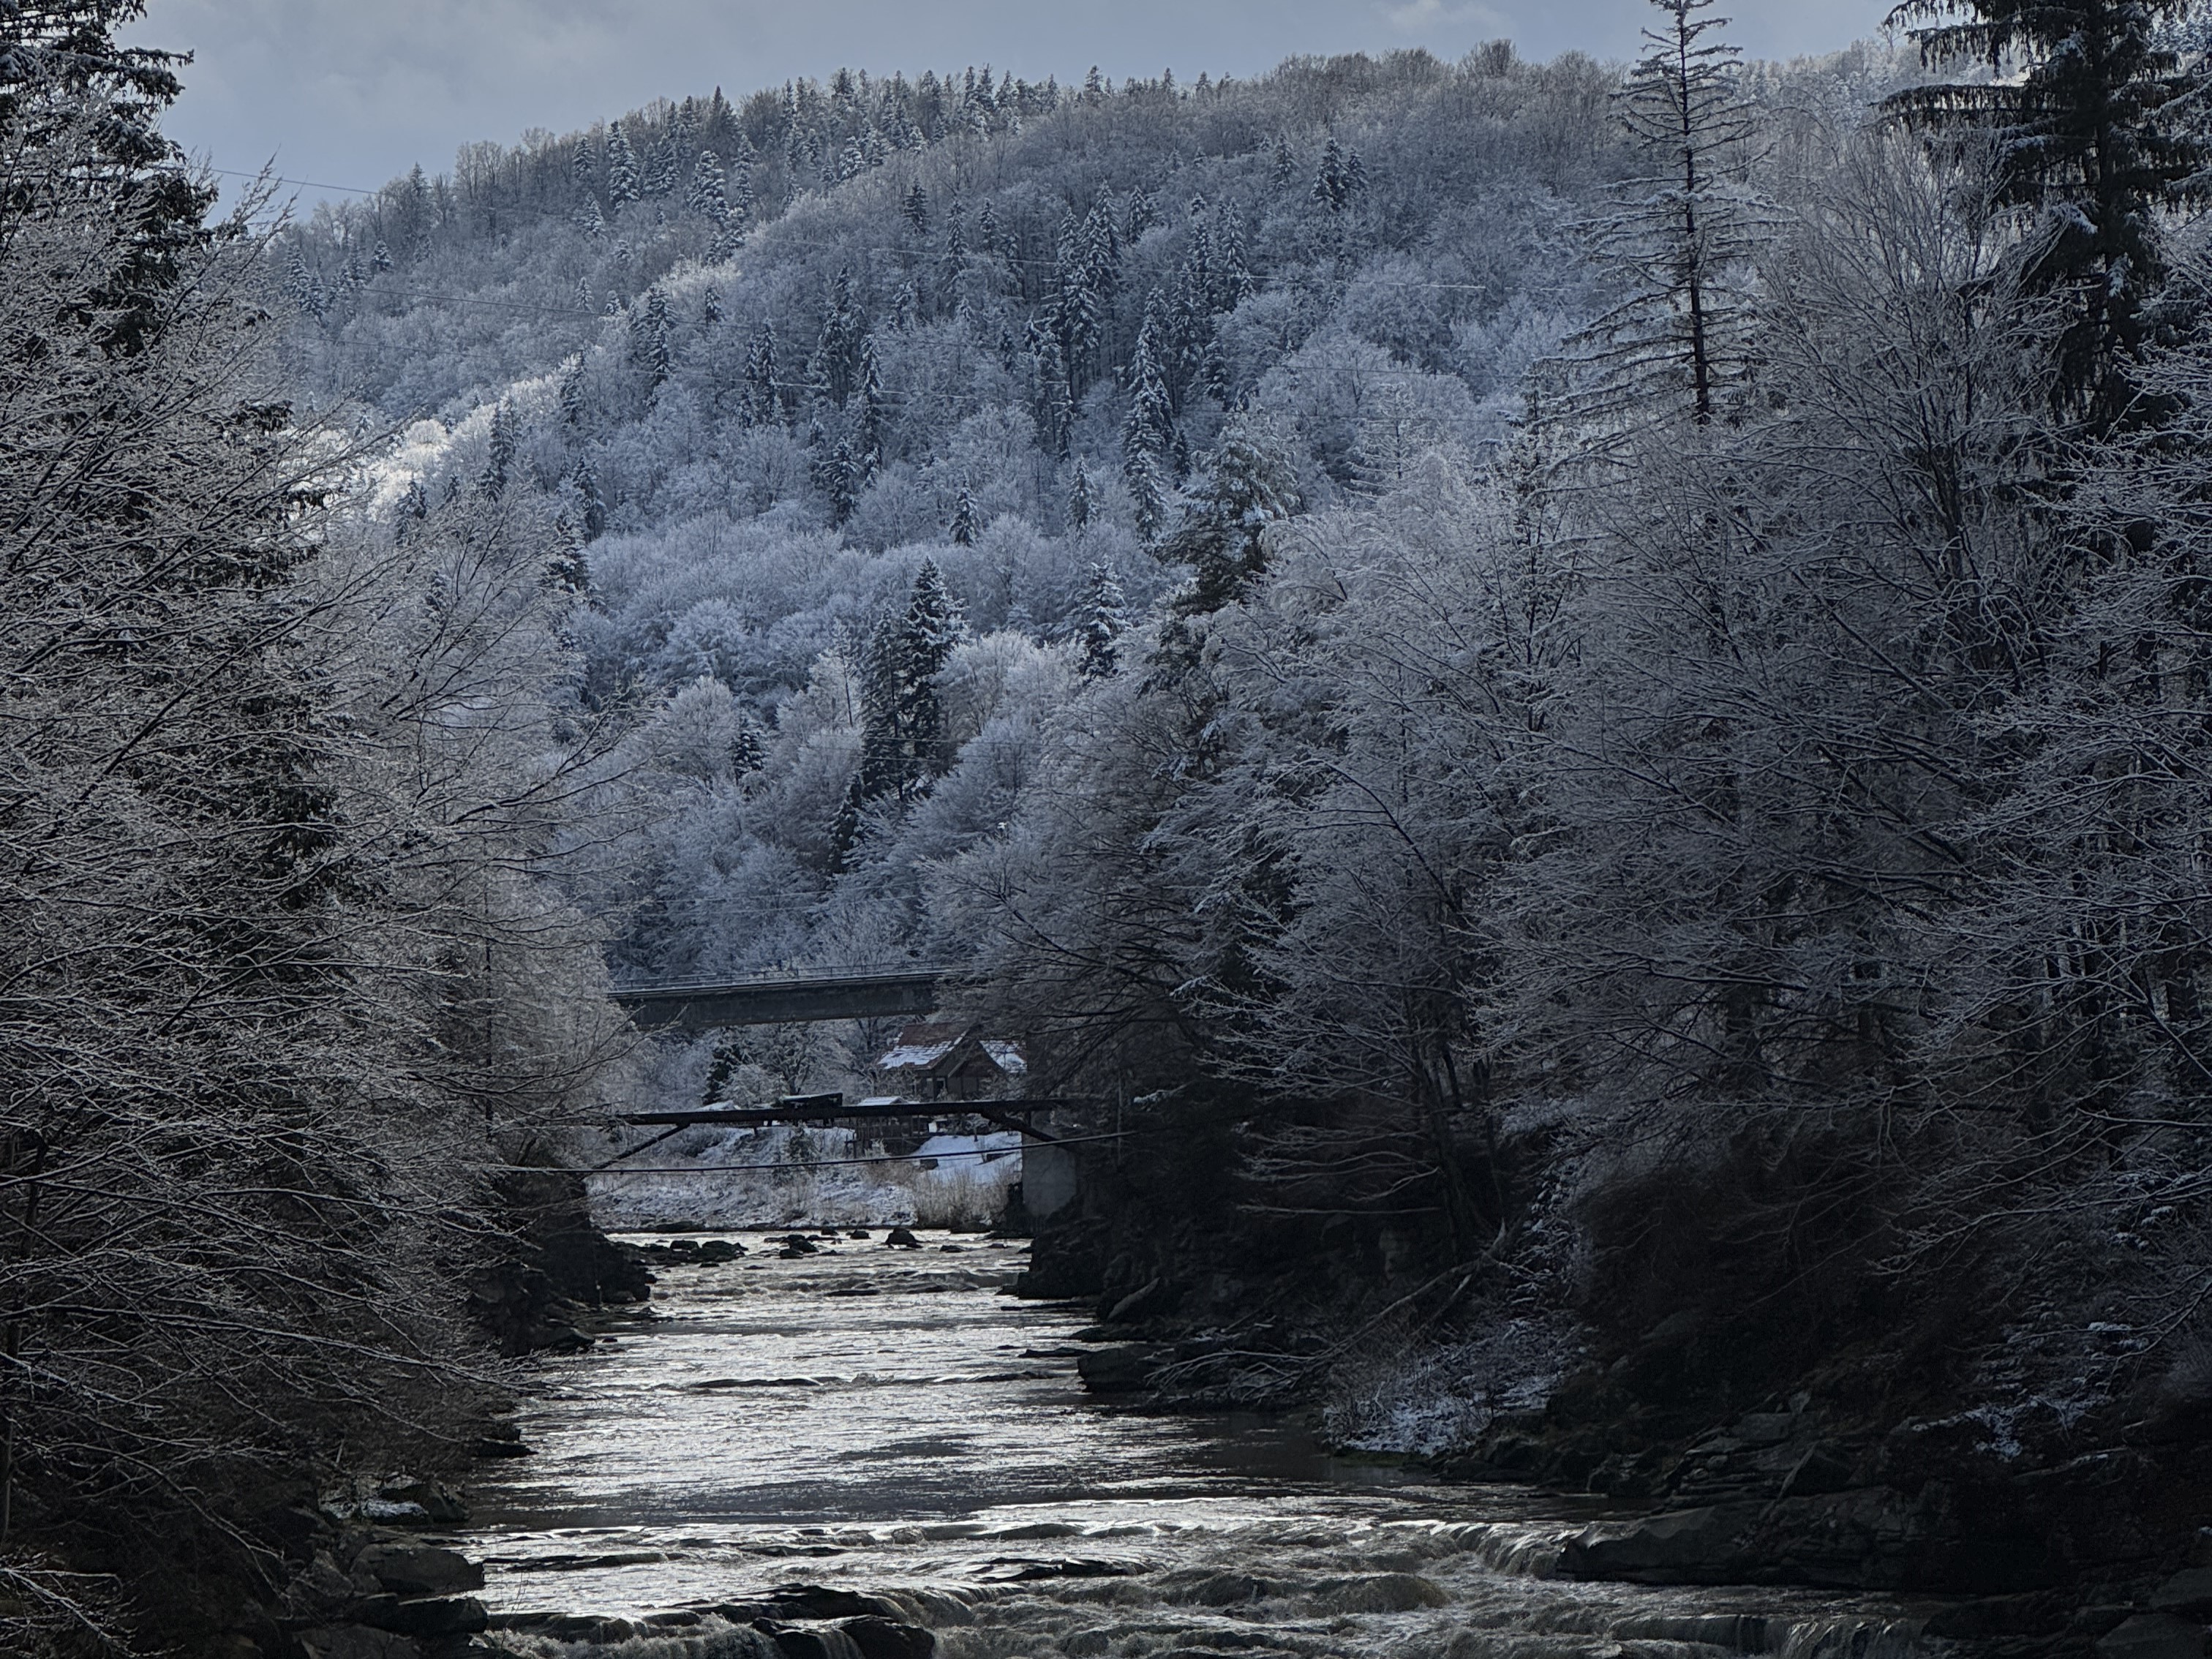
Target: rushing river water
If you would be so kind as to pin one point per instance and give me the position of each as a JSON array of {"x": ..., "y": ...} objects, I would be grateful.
[{"x": 893, "y": 1423}]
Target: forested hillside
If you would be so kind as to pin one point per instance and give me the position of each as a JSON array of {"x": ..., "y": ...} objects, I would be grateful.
[
  {"x": 1583, "y": 691},
  {"x": 770, "y": 361},
  {"x": 1605, "y": 665}
]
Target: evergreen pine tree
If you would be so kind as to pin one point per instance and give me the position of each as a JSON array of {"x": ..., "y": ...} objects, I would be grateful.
[
  {"x": 661, "y": 168},
  {"x": 1105, "y": 619},
  {"x": 594, "y": 505},
  {"x": 2100, "y": 135},
  {"x": 761, "y": 402},
  {"x": 1249, "y": 485},
  {"x": 739, "y": 188},
  {"x": 749, "y": 748},
  {"x": 1148, "y": 496},
  {"x": 1078, "y": 496},
  {"x": 932, "y": 629},
  {"x": 1055, "y": 402},
  {"x": 868, "y": 427},
  {"x": 381, "y": 261},
  {"x": 572, "y": 394},
  {"x": 299, "y": 280},
  {"x": 414, "y": 507},
  {"x": 845, "y": 825},
  {"x": 1331, "y": 187},
  {"x": 837, "y": 361},
  {"x": 649, "y": 348},
  {"x": 1143, "y": 214},
  {"x": 499, "y": 453},
  {"x": 567, "y": 567},
  {"x": 1286, "y": 167},
  {"x": 1232, "y": 275},
  {"x": 841, "y": 479},
  {"x": 1682, "y": 238},
  {"x": 1149, "y": 428},
  {"x": 915, "y": 209},
  {"x": 965, "y": 529},
  {"x": 623, "y": 184},
  {"x": 707, "y": 197}
]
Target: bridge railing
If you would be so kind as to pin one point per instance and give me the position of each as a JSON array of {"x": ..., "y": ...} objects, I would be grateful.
[{"x": 839, "y": 974}]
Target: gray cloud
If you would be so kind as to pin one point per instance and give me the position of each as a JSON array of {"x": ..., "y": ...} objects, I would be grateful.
[{"x": 354, "y": 92}]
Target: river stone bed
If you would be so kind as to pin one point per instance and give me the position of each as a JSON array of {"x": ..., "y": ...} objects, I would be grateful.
[{"x": 866, "y": 1452}]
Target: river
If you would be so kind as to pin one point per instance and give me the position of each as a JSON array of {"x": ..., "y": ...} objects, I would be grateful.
[{"x": 893, "y": 1423}]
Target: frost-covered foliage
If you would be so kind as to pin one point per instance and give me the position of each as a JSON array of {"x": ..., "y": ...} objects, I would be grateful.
[
  {"x": 1404, "y": 599},
  {"x": 283, "y": 978},
  {"x": 997, "y": 333}
]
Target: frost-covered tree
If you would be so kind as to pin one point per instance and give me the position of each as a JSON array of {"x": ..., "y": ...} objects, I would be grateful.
[
  {"x": 587, "y": 484},
  {"x": 499, "y": 452},
  {"x": 2097, "y": 139},
  {"x": 1078, "y": 495},
  {"x": 707, "y": 197},
  {"x": 1681, "y": 238},
  {"x": 1149, "y": 428},
  {"x": 1332, "y": 186},
  {"x": 1105, "y": 618},
  {"x": 624, "y": 183},
  {"x": 902, "y": 745},
  {"x": 833, "y": 371},
  {"x": 761, "y": 401},
  {"x": 964, "y": 527},
  {"x": 1249, "y": 487},
  {"x": 649, "y": 348}
]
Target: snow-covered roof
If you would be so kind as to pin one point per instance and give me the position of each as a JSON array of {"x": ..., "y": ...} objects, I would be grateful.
[
  {"x": 914, "y": 1054},
  {"x": 924, "y": 1044}
]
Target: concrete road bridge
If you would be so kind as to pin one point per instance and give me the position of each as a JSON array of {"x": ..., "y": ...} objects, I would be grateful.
[{"x": 787, "y": 997}]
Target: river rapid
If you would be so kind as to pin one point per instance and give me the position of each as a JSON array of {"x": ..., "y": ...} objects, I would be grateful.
[{"x": 894, "y": 1424}]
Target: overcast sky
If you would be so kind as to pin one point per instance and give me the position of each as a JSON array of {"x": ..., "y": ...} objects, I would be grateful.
[{"x": 354, "y": 92}]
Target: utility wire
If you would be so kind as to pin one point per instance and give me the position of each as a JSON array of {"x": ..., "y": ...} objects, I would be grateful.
[{"x": 827, "y": 1163}]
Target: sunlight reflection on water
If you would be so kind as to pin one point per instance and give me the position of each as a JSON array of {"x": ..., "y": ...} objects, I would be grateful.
[{"x": 870, "y": 1418}]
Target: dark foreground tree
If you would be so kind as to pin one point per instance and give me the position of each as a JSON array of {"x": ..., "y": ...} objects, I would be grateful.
[
  {"x": 2093, "y": 138},
  {"x": 277, "y": 984}
]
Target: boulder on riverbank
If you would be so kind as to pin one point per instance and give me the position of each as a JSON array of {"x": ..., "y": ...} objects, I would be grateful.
[{"x": 558, "y": 1272}]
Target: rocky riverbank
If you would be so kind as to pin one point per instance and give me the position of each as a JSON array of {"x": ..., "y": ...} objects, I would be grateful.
[{"x": 2048, "y": 1528}]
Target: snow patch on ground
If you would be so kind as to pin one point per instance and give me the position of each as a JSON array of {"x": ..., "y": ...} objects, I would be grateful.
[
  {"x": 715, "y": 1178},
  {"x": 1426, "y": 1400}
]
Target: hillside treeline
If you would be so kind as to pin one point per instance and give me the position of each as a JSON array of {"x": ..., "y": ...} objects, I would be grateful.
[{"x": 1607, "y": 660}]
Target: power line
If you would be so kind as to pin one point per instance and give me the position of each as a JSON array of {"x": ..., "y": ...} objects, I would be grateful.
[
  {"x": 308, "y": 184},
  {"x": 828, "y": 1163}
]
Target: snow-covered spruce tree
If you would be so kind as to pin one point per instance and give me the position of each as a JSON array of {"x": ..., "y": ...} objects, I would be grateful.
[
  {"x": 2098, "y": 133},
  {"x": 707, "y": 198},
  {"x": 903, "y": 740},
  {"x": 834, "y": 370},
  {"x": 1105, "y": 619},
  {"x": 624, "y": 184},
  {"x": 648, "y": 339},
  {"x": 761, "y": 401},
  {"x": 1680, "y": 240},
  {"x": 1249, "y": 487}
]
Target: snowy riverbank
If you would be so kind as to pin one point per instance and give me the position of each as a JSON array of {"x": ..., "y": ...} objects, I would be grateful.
[{"x": 710, "y": 1177}]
